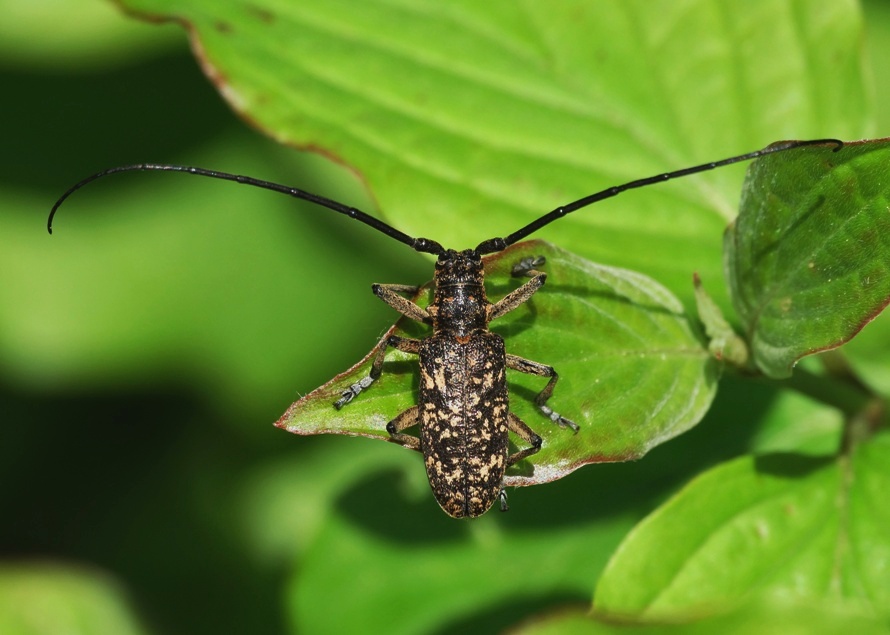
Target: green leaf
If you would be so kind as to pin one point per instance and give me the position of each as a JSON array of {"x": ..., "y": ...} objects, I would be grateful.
[
  {"x": 780, "y": 525},
  {"x": 44, "y": 599},
  {"x": 467, "y": 120},
  {"x": 807, "y": 258},
  {"x": 757, "y": 619},
  {"x": 632, "y": 372},
  {"x": 407, "y": 568}
]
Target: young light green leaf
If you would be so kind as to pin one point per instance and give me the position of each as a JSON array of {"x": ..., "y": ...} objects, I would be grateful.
[
  {"x": 763, "y": 618},
  {"x": 468, "y": 119},
  {"x": 632, "y": 372},
  {"x": 808, "y": 259},
  {"x": 775, "y": 525}
]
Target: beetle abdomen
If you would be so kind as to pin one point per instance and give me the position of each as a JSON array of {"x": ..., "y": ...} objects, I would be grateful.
[{"x": 463, "y": 420}]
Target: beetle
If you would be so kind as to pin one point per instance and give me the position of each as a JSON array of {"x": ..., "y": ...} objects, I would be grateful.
[{"x": 462, "y": 410}]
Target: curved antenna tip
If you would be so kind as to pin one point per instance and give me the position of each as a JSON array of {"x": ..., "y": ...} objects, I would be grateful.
[
  {"x": 420, "y": 244},
  {"x": 52, "y": 212}
]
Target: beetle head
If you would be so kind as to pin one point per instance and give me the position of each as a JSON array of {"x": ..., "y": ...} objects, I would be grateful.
[{"x": 459, "y": 268}]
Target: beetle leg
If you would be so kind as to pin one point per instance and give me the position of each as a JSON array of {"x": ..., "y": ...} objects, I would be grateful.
[
  {"x": 542, "y": 370},
  {"x": 517, "y": 296},
  {"x": 503, "y": 496},
  {"x": 517, "y": 425},
  {"x": 404, "y": 344},
  {"x": 389, "y": 293},
  {"x": 525, "y": 267},
  {"x": 406, "y": 419}
]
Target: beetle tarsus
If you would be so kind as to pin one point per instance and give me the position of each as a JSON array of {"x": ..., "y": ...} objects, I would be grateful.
[
  {"x": 352, "y": 392},
  {"x": 526, "y": 266},
  {"x": 557, "y": 418}
]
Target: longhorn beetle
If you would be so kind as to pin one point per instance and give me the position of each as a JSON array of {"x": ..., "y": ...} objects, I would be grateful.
[{"x": 463, "y": 407}]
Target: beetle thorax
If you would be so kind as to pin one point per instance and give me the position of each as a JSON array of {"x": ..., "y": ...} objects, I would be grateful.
[{"x": 460, "y": 305}]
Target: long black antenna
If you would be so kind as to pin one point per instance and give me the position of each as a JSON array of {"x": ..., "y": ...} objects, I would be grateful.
[
  {"x": 418, "y": 244},
  {"x": 426, "y": 245},
  {"x": 493, "y": 245}
]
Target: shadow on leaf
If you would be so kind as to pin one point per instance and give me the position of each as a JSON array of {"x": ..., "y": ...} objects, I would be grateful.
[
  {"x": 790, "y": 465},
  {"x": 381, "y": 506}
]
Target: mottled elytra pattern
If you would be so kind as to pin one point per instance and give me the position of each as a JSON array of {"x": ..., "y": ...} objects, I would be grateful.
[
  {"x": 463, "y": 410},
  {"x": 463, "y": 420}
]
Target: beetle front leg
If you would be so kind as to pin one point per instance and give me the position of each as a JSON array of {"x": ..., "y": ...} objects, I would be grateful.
[
  {"x": 542, "y": 370},
  {"x": 404, "y": 344},
  {"x": 525, "y": 267},
  {"x": 528, "y": 266},
  {"x": 389, "y": 293}
]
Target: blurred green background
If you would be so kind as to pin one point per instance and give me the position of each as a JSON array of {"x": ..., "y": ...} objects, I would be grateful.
[{"x": 147, "y": 347}]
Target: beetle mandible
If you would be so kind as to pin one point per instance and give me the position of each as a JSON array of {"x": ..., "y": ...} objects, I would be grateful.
[{"x": 463, "y": 407}]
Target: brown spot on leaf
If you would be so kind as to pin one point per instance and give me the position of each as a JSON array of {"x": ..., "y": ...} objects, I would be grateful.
[{"x": 264, "y": 15}]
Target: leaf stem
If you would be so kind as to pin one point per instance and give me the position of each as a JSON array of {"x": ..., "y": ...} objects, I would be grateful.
[
  {"x": 864, "y": 411},
  {"x": 846, "y": 397}
]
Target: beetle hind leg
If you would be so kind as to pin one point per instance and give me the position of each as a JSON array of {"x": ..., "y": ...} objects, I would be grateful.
[
  {"x": 405, "y": 420},
  {"x": 517, "y": 425}
]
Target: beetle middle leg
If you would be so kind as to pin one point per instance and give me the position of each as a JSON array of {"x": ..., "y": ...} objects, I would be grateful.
[
  {"x": 404, "y": 344},
  {"x": 527, "y": 267},
  {"x": 542, "y": 370},
  {"x": 389, "y": 293}
]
